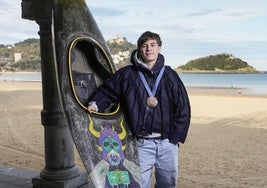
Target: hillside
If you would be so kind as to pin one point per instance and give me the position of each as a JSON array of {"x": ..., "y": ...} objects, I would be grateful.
[
  {"x": 220, "y": 63},
  {"x": 121, "y": 50},
  {"x": 21, "y": 56},
  {"x": 25, "y": 55}
]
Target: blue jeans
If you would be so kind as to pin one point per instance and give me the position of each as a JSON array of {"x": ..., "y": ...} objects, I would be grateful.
[{"x": 164, "y": 156}]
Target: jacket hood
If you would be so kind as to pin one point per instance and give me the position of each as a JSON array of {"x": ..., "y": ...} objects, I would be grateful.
[{"x": 138, "y": 62}]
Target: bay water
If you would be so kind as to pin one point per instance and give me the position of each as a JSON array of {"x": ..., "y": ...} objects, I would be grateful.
[{"x": 255, "y": 83}]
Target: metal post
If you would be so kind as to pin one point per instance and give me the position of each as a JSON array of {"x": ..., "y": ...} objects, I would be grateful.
[{"x": 60, "y": 169}]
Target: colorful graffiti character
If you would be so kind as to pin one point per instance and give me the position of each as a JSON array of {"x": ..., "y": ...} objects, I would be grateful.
[{"x": 114, "y": 170}]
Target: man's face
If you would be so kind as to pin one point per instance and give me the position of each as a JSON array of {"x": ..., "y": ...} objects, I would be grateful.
[{"x": 149, "y": 51}]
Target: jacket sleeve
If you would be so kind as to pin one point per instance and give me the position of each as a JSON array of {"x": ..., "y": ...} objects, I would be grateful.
[
  {"x": 107, "y": 94},
  {"x": 182, "y": 113}
]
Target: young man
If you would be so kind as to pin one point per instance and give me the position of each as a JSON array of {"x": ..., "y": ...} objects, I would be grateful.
[{"x": 156, "y": 107}]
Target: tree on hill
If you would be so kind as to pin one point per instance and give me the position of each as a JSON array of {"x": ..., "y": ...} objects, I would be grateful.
[{"x": 217, "y": 63}]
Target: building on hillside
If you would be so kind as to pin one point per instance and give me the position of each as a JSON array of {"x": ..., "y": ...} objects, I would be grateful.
[
  {"x": 121, "y": 56},
  {"x": 6, "y": 60},
  {"x": 118, "y": 39},
  {"x": 17, "y": 56}
]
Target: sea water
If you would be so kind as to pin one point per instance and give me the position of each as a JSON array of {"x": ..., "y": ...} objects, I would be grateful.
[
  {"x": 35, "y": 76},
  {"x": 256, "y": 83}
]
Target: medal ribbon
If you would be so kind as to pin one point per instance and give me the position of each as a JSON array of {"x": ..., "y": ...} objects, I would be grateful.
[{"x": 153, "y": 92}]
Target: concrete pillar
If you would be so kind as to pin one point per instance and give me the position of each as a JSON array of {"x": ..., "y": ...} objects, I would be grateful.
[{"x": 60, "y": 169}]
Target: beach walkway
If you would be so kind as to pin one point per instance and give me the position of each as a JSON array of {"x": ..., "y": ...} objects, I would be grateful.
[{"x": 16, "y": 178}]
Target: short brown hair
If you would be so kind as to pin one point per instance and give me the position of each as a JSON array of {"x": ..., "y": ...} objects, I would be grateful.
[{"x": 146, "y": 36}]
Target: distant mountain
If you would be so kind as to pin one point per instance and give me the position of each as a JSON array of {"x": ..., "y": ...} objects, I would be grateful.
[
  {"x": 220, "y": 63},
  {"x": 25, "y": 55},
  {"x": 121, "y": 50},
  {"x": 21, "y": 56}
]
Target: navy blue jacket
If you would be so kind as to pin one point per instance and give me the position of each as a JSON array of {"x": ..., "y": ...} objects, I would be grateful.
[{"x": 171, "y": 117}]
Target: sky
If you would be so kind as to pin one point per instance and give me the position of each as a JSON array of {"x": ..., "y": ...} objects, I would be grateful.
[{"x": 189, "y": 29}]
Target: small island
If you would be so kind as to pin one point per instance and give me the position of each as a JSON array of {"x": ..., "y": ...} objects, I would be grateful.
[{"x": 220, "y": 63}]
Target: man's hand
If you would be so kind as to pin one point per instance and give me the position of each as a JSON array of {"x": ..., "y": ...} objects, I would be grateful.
[{"x": 92, "y": 107}]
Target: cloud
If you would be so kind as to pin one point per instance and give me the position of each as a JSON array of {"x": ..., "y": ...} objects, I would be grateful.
[
  {"x": 107, "y": 12},
  {"x": 204, "y": 12},
  {"x": 188, "y": 28},
  {"x": 13, "y": 28}
]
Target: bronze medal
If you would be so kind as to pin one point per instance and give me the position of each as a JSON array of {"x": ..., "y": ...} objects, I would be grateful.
[{"x": 152, "y": 102}]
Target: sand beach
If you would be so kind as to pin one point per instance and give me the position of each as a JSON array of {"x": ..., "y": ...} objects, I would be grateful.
[{"x": 226, "y": 146}]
